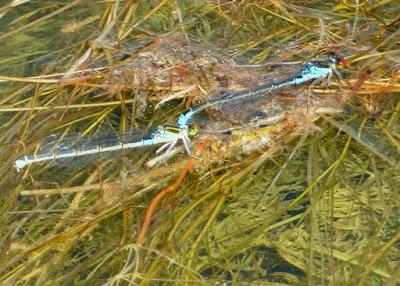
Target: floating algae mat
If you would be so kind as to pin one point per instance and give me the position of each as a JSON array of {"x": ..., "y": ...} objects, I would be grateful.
[{"x": 200, "y": 142}]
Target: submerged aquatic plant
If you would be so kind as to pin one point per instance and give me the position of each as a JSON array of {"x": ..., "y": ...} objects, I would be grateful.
[{"x": 297, "y": 188}]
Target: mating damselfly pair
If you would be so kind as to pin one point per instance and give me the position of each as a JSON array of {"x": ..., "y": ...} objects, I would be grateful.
[{"x": 312, "y": 72}]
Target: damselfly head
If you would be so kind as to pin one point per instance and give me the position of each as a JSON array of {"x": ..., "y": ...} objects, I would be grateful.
[{"x": 339, "y": 61}]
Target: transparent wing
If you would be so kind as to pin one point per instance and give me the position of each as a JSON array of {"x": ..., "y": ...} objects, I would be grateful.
[
  {"x": 244, "y": 110},
  {"x": 75, "y": 147},
  {"x": 78, "y": 141},
  {"x": 238, "y": 78},
  {"x": 266, "y": 95}
]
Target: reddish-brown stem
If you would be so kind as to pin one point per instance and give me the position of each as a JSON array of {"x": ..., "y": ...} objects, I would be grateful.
[{"x": 163, "y": 193}]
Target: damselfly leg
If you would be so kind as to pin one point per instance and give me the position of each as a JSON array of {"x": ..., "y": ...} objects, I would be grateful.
[{"x": 167, "y": 147}]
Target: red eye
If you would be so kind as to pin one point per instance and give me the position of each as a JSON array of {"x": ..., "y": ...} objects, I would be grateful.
[{"x": 341, "y": 62}]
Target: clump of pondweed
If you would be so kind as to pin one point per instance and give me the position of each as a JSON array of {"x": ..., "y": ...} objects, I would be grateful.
[{"x": 322, "y": 208}]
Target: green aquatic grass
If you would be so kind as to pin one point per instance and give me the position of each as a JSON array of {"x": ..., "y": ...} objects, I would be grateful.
[{"x": 319, "y": 205}]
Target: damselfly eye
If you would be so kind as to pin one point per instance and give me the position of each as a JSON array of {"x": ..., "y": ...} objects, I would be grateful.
[
  {"x": 341, "y": 62},
  {"x": 336, "y": 59}
]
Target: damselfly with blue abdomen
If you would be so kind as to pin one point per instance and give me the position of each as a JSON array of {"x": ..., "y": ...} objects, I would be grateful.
[
  {"x": 312, "y": 72},
  {"x": 74, "y": 146}
]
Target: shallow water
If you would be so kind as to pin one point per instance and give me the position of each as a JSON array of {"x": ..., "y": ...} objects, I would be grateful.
[{"x": 281, "y": 192}]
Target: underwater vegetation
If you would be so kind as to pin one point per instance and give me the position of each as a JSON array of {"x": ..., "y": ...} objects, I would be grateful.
[{"x": 286, "y": 172}]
